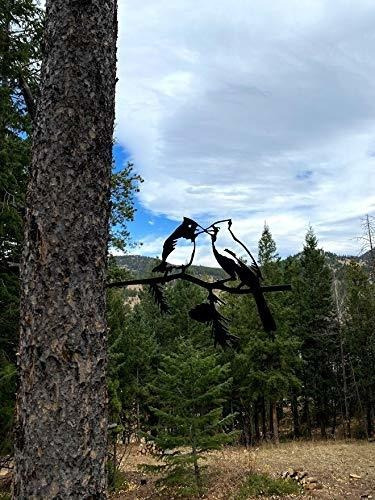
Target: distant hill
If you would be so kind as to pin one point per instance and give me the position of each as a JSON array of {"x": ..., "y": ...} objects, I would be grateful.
[{"x": 141, "y": 266}]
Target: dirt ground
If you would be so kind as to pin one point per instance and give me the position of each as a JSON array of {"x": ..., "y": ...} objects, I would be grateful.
[{"x": 331, "y": 463}]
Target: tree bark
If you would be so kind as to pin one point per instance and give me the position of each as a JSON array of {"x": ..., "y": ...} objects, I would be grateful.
[
  {"x": 296, "y": 426},
  {"x": 256, "y": 421},
  {"x": 264, "y": 423},
  {"x": 275, "y": 423},
  {"x": 61, "y": 430}
]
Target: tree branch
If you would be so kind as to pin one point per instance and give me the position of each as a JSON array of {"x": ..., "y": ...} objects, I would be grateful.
[
  {"x": 215, "y": 285},
  {"x": 27, "y": 95}
]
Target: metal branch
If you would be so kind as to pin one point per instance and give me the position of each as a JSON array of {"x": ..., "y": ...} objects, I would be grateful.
[{"x": 215, "y": 285}]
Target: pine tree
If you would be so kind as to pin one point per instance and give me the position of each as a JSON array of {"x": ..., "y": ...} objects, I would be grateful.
[
  {"x": 133, "y": 362},
  {"x": 360, "y": 340},
  {"x": 316, "y": 327},
  {"x": 265, "y": 369},
  {"x": 190, "y": 392},
  {"x": 61, "y": 431},
  {"x": 20, "y": 36}
]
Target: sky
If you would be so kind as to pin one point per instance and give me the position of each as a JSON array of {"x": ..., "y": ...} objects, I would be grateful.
[{"x": 257, "y": 110}]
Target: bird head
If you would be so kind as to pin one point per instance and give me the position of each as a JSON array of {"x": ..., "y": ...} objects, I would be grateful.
[
  {"x": 213, "y": 233},
  {"x": 190, "y": 226}
]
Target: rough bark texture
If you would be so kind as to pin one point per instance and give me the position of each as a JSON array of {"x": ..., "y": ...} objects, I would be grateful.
[{"x": 61, "y": 407}]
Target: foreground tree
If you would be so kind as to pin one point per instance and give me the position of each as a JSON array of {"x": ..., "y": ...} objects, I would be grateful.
[
  {"x": 61, "y": 404},
  {"x": 190, "y": 391}
]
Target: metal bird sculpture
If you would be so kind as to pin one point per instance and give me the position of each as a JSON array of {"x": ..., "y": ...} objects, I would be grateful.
[
  {"x": 227, "y": 264},
  {"x": 208, "y": 314},
  {"x": 251, "y": 277},
  {"x": 185, "y": 230}
]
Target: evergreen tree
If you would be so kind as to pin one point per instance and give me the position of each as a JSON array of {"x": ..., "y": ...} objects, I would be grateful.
[
  {"x": 360, "y": 340},
  {"x": 20, "y": 37},
  {"x": 316, "y": 327},
  {"x": 265, "y": 369},
  {"x": 139, "y": 334},
  {"x": 133, "y": 361},
  {"x": 62, "y": 397},
  {"x": 190, "y": 391}
]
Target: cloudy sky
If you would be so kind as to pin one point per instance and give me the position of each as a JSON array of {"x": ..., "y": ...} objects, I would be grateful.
[{"x": 258, "y": 110}]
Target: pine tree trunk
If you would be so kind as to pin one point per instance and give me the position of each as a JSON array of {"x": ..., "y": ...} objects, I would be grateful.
[
  {"x": 307, "y": 417},
  {"x": 334, "y": 421},
  {"x": 369, "y": 418},
  {"x": 296, "y": 427},
  {"x": 256, "y": 421},
  {"x": 61, "y": 431},
  {"x": 275, "y": 423},
  {"x": 270, "y": 419},
  {"x": 197, "y": 475},
  {"x": 322, "y": 420},
  {"x": 138, "y": 417},
  {"x": 264, "y": 422}
]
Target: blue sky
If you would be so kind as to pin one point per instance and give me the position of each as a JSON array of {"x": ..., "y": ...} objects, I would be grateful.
[{"x": 260, "y": 110}]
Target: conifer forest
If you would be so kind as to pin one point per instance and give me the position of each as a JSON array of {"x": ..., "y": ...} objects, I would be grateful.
[{"x": 250, "y": 376}]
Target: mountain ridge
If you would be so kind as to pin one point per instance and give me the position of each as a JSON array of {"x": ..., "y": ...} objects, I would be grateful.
[{"x": 141, "y": 265}]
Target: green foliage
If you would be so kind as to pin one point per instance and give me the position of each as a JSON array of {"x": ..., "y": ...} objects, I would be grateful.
[
  {"x": 20, "y": 38},
  {"x": 124, "y": 184},
  {"x": 116, "y": 478},
  {"x": 262, "y": 485},
  {"x": 132, "y": 353},
  {"x": 265, "y": 368},
  {"x": 7, "y": 390},
  {"x": 190, "y": 391},
  {"x": 315, "y": 325},
  {"x": 360, "y": 334},
  {"x": 140, "y": 266}
]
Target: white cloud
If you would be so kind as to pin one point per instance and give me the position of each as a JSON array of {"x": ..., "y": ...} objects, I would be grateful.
[{"x": 253, "y": 110}]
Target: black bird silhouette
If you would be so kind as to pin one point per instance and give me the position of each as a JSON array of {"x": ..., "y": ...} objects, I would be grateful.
[
  {"x": 185, "y": 230},
  {"x": 207, "y": 313},
  {"x": 251, "y": 277},
  {"x": 227, "y": 264}
]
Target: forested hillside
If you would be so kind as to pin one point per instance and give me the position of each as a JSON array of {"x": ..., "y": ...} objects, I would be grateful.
[{"x": 140, "y": 266}]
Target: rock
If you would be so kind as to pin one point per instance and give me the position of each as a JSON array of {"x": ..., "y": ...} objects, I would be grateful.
[
  {"x": 355, "y": 476},
  {"x": 311, "y": 480},
  {"x": 313, "y": 486},
  {"x": 301, "y": 476},
  {"x": 310, "y": 486}
]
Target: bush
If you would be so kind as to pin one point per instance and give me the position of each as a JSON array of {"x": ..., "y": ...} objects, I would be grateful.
[{"x": 262, "y": 485}]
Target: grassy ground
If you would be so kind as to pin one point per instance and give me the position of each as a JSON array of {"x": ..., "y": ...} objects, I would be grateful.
[{"x": 331, "y": 463}]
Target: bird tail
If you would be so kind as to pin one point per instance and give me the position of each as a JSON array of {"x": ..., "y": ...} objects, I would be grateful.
[{"x": 265, "y": 314}]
